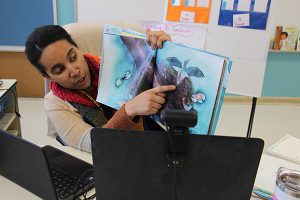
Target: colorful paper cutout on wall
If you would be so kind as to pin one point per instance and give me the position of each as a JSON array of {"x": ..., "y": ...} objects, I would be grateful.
[
  {"x": 251, "y": 14},
  {"x": 193, "y": 11}
]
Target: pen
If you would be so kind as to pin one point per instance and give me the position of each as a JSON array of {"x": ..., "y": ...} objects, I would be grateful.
[
  {"x": 264, "y": 191},
  {"x": 263, "y": 194}
]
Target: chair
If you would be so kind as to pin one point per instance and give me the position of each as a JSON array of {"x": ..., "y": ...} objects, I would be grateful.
[{"x": 88, "y": 36}]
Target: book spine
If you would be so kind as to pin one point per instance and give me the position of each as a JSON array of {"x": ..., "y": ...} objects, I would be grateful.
[
  {"x": 222, "y": 94},
  {"x": 278, "y": 31},
  {"x": 298, "y": 43}
]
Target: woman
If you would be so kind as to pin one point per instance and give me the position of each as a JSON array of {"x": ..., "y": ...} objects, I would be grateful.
[{"x": 70, "y": 106}]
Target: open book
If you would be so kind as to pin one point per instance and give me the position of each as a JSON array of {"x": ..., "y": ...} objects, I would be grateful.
[
  {"x": 129, "y": 66},
  {"x": 284, "y": 153}
]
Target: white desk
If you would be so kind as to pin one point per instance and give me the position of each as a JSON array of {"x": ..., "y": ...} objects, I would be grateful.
[
  {"x": 10, "y": 122},
  {"x": 10, "y": 190}
]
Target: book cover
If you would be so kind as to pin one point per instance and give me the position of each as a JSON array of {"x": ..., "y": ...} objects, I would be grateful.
[
  {"x": 129, "y": 66},
  {"x": 288, "y": 36},
  {"x": 298, "y": 43},
  {"x": 277, "y": 38}
]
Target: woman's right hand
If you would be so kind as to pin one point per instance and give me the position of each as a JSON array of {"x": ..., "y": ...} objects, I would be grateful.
[{"x": 148, "y": 102}]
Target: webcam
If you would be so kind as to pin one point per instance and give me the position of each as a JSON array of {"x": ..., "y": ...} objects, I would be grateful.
[{"x": 179, "y": 118}]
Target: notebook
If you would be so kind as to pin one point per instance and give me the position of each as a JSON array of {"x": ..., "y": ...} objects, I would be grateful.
[
  {"x": 284, "y": 153},
  {"x": 45, "y": 171},
  {"x": 136, "y": 165}
]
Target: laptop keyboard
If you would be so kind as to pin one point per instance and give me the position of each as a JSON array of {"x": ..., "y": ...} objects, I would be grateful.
[{"x": 64, "y": 185}]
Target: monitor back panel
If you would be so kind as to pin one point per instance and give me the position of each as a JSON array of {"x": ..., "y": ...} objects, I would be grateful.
[{"x": 134, "y": 165}]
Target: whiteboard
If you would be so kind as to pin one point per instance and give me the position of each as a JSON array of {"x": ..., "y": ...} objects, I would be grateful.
[
  {"x": 247, "y": 48},
  {"x": 18, "y": 18}
]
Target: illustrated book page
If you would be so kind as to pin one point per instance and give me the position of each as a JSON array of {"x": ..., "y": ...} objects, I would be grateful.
[{"x": 129, "y": 66}]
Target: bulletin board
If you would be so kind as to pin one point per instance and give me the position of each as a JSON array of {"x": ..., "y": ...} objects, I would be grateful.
[
  {"x": 18, "y": 18},
  {"x": 249, "y": 57}
]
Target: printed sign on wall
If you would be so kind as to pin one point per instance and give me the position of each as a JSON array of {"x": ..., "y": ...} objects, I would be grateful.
[{"x": 193, "y": 35}]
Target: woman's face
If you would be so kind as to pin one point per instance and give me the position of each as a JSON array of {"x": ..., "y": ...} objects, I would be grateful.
[{"x": 65, "y": 64}]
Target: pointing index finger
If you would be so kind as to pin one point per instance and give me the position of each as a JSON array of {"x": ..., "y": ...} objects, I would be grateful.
[{"x": 163, "y": 88}]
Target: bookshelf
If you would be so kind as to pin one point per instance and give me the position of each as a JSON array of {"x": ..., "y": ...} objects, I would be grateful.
[
  {"x": 10, "y": 122},
  {"x": 281, "y": 51}
]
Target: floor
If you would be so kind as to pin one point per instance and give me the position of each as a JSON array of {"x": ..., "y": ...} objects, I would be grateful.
[{"x": 271, "y": 122}]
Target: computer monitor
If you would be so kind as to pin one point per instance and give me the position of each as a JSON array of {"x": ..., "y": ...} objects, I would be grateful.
[{"x": 138, "y": 165}]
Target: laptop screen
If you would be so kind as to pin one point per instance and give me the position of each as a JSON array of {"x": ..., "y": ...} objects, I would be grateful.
[
  {"x": 47, "y": 172},
  {"x": 136, "y": 165},
  {"x": 25, "y": 164}
]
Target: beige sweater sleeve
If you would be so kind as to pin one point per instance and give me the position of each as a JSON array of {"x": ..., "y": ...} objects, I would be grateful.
[{"x": 65, "y": 120}]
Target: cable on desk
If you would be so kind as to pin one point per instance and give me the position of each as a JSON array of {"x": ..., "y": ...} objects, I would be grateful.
[
  {"x": 16, "y": 100},
  {"x": 89, "y": 178}
]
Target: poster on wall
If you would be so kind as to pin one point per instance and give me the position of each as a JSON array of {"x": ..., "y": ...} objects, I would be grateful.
[
  {"x": 252, "y": 14},
  {"x": 192, "y": 35},
  {"x": 193, "y": 11}
]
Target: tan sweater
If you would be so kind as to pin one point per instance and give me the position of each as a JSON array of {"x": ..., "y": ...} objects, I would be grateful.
[{"x": 65, "y": 120}]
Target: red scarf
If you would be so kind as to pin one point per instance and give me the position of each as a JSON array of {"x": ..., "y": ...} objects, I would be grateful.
[{"x": 76, "y": 96}]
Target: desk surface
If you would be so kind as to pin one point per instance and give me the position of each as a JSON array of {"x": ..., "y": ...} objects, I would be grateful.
[
  {"x": 10, "y": 190},
  {"x": 7, "y": 83}
]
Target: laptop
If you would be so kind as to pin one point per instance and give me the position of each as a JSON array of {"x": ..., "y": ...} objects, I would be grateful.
[
  {"x": 136, "y": 165},
  {"x": 45, "y": 171}
]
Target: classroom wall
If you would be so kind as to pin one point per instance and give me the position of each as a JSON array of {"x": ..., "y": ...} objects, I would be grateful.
[
  {"x": 65, "y": 11},
  {"x": 281, "y": 75},
  {"x": 14, "y": 65},
  {"x": 282, "y": 69},
  {"x": 16, "y": 23}
]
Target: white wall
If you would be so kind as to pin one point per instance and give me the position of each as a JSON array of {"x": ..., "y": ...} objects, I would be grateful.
[{"x": 247, "y": 47}]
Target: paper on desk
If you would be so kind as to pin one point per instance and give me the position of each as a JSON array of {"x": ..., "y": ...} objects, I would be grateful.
[
  {"x": 284, "y": 153},
  {"x": 287, "y": 148}
]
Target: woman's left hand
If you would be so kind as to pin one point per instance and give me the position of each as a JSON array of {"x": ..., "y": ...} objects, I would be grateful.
[{"x": 156, "y": 38}]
